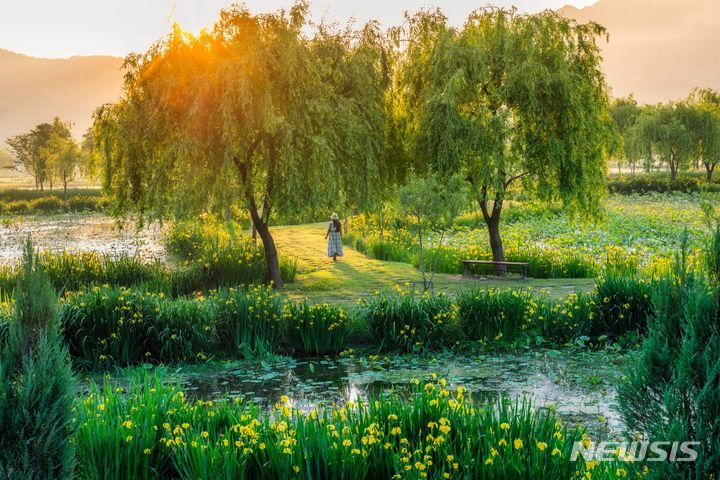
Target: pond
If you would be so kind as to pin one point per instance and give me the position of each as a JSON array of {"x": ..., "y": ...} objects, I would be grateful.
[
  {"x": 580, "y": 386},
  {"x": 79, "y": 232}
]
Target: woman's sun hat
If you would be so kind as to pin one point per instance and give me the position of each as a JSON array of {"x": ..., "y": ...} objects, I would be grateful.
[{"x": 334, "y": 216}]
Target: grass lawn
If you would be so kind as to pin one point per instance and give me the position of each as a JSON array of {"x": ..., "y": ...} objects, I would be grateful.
[{"x": 356, "y": 275}]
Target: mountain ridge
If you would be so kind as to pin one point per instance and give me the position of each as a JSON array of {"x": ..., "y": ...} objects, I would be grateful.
[{"x": 35, "y": 90}]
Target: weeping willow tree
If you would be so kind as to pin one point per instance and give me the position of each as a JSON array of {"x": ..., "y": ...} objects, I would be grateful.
[
  {"x": 507, "y": 99},
  {"x": 702, "y": 116},
  {"x": 256, "y": 110}
]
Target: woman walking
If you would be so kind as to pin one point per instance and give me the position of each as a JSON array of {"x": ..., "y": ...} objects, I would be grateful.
[{"x": 334, "y": 237}]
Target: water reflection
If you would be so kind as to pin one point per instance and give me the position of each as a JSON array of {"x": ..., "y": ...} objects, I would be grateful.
[
  {"x": 80, "y": 232},
  {"x": 580, "y": 389}
]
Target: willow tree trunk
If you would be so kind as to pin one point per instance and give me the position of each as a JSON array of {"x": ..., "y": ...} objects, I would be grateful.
[
  {"x": 709, "y": 168},
  {"x": 492, "y": 220},
  {"x": 673, "y": 170},
  {"x": 496, "y": 244},
  {"x": 271, "y": 256},
  {"x": 261, "y": 223},
  {"x": 272, "y": 259}
]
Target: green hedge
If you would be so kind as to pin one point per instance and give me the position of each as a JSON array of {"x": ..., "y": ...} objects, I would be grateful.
[
  {"x": 659, "y": 182},
  {"x": 20, "y": 202},
  {"x": 14, "y": 194}
]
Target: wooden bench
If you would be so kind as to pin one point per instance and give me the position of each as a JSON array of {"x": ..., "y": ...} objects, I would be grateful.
[{"x": 478, "y": 268}]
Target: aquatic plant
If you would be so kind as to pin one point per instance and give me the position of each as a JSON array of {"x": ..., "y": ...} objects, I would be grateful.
[
  {"x": 249, "y": 318},
  {"x": 408, "y": 322},
  {"x": 438, "y": 431},
  {"x": 624, "y": 304},
  {"x": 119, "y": 326},
  {"x": 495, "y": 313},
  {"x": 315, "y": 329}
]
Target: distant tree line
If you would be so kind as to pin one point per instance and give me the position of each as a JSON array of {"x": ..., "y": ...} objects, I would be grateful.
[
  {"x": 49, "y": 154},
  {"x": 678, "y": 136}
]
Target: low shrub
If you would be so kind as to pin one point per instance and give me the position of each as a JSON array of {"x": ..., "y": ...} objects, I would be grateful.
[
  {"x": 17, "y": 207},
  {"x": 407, "y": 322},
  {"x": 85, "y": 203},
  {"x": 32, "y": 201},
  {"x": 433, "y": 432},
  {"x": 14, "y": 194},
  {"x": 660, "y": 183},
  {"x": 317, "y": 329},
  {"x": 46, "y": 205}
]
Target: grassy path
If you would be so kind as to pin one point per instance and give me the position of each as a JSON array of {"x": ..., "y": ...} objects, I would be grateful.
[{"x": 356, "y": 275}]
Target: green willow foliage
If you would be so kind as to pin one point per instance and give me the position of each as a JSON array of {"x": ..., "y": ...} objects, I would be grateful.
[
  {"x": 255, "y": 111},
  {"x": 36, "y": 385}
]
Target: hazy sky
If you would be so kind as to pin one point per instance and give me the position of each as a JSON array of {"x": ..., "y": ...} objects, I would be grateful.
[{"x": 61, "y": 28}]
